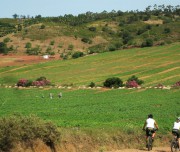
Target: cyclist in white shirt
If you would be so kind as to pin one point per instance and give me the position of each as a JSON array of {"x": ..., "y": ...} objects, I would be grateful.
[
  {"x": 150, "y": 124},
  {"x": 176, "y": 129}
]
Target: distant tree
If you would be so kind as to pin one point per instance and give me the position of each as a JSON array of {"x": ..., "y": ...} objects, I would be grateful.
[
  {"x": 15, "y": 16},
  {"x": 113, "y": 82}
]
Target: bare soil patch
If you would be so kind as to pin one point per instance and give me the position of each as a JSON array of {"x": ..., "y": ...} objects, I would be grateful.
[{"x": 13, "y": 60}]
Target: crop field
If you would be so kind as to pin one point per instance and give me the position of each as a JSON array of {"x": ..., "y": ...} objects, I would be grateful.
[
  {"x": 94, "y": 108},
  {"x": 153, "y": 65}
]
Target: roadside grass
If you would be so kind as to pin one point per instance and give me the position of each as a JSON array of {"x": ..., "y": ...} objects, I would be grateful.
[{"x": 154, "y": 65}]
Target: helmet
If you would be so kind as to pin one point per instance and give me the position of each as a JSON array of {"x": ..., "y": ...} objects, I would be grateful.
[{"x": 150, "y": 116}]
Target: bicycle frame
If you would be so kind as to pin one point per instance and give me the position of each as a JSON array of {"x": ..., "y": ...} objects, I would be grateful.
[{"x": 174, "y": 144}]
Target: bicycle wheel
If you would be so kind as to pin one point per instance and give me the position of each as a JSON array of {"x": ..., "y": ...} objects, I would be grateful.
[
  {"x": 174, "y": 146},
  {"x": 149, "y": 143}
]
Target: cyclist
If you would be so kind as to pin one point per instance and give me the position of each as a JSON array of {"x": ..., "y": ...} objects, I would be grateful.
[
  {"x": 150, "y": 124},
  {"x": 176, "y": 129}
]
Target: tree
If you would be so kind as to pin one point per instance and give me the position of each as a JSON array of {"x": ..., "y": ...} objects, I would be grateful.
[
  {"x": 113, "y": 82},
  {"x": 15, "y": 16}
]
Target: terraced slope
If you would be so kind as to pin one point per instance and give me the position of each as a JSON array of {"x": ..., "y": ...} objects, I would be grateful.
[{"x": 154, "y": 65}]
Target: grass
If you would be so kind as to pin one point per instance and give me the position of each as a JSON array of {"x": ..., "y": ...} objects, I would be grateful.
[
  {"x": 94, "y": 108},
  {"x": 154, "y": 65}
]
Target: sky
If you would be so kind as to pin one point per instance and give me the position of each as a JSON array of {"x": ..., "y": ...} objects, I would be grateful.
[{"x": 54, "y": 8}]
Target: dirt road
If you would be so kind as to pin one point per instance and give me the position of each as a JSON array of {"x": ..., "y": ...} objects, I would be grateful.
[{"x": 155, "y": 149}]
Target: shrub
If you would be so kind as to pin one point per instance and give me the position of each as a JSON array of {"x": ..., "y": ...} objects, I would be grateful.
[
  {"x": 113, "y": 82},
  {"x": 41, "y": 81},
  {"x": 92, "y": 85},
  {"x": 92, "y": 29},
  {"x": 112, "y": 48},
  {"x": 86, "y": 40},
  {"x": 133, "y": 81},
  {"x": 147, "y": 43},
  {"x": 77, "y": 54},
  {"x": 167, "y": 30},
  {"x": 3, "y": 48},
  {"x": 24, "y": 83},
  {"x": 28, "y": 45},
  {"x": 18, "y": 128},
  {"x": 177, "y": 84},
  {"x": 6, "y": 40},
  {"x": 132, "y": 84},
  {"x": 42, "y": 26}
]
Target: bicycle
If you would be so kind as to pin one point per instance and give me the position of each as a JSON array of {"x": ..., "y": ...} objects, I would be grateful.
[
  {"x": 149, "y": 145},
  {"x": 174, "y": 143}
]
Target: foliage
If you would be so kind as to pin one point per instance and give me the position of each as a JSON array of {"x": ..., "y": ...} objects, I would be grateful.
[
  {"x": 134, "y": 79},
  {"x": 86, "y": 40},
  {"x": 92, "y": 85},
  {"x": 177, "y": 84},
  {"x": 18, "y": 128},
  {"x": 41, "y": 81},
  {"x": 71, "y": 47},
  {"x": 131, "y": 84},
  {"x": 33, "y": 51},
  {"x": 92, "y": 29},
  {"x": 77, "y": 54},
  {"x": 147, "y": 43},
  {"x": 167, "y": 30},
  {"x": 42, "y": 26},
  {"x": 28, "y": 45},
  {"x": 24, "y": 83},
  {"x": 3, "y": 48},
  {"x": 113, "y": 82},
  {"x": 6, "y": 40}
]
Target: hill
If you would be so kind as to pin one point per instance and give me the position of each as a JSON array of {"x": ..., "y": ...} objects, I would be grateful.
[
  {"x": 154, "y": 65},
  {"x": 90, "y": 32}
]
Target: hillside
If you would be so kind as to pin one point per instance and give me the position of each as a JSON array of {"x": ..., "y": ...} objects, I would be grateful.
[
  {"x": 89, "y": 32},
  {"x": 154, "y": 65}
]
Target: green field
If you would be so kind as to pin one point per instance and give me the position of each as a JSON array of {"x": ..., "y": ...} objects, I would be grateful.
[
  {"x": 154, "y": 65},
  {"x": 123, "y": 109}
]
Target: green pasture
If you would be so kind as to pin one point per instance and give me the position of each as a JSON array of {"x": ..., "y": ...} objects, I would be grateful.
[
  {"x": 94, "y": 108},
  {"x": 153, "y": 65}
]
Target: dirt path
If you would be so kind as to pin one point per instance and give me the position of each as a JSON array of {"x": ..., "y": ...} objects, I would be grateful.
[{"x": 155, "y": 149}]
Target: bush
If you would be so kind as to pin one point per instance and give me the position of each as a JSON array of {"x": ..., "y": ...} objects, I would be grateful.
[
  {"x": 77, "y": 55},
  {"x": 28, "y": 45},
  {"x": 24, "y": 83},
  {"x": 92, "y": 85},
  {"x": 177, "y": 84},
  {"x": 92, "y": 29},
  {"x": 133, "y": 82},
  {"x": 18, "y": 128},
  {"x": 86, "y": 40},
  {"x": 147, "y": 43},
  {"x": 113, "y": 82}
]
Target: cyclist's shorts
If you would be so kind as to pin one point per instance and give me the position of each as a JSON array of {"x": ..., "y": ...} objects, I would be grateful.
[
  {"x": 148, "y": 130},
  {"x": 176, "y": 132}
]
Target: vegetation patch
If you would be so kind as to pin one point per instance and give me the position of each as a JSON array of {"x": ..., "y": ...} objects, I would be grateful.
[{"x": 18, "y": 128}]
